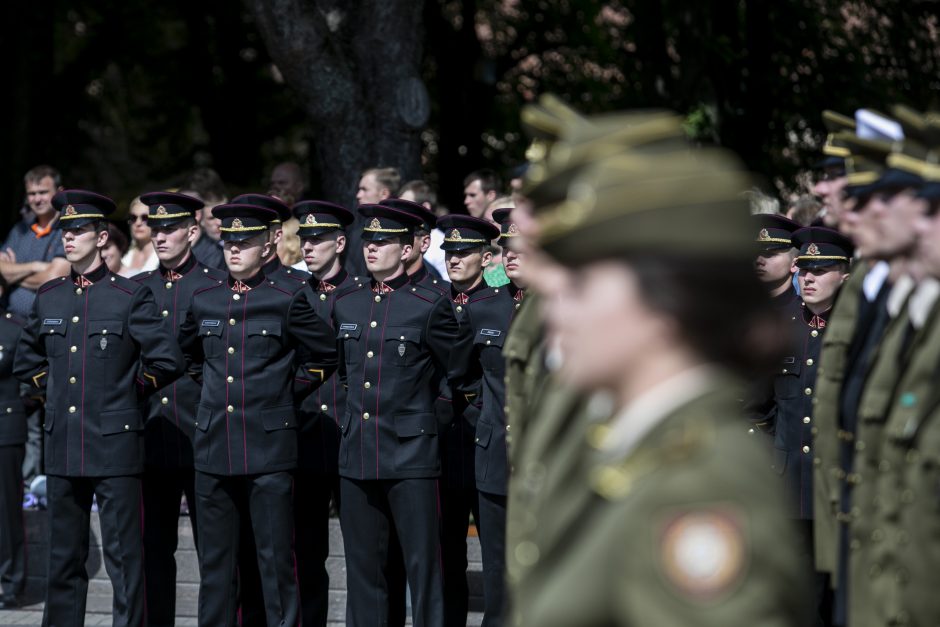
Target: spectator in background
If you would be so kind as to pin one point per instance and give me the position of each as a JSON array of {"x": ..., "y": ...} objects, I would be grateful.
[
  {"x": 206, "y": 185},
  {"x": 375, "y": 185},
  {"x": 480, "y": 188},
  {"x": 494, "y": 272},
  {"x": 114, "y": 250},
  {"x": 140, "y": 257},
  {"x": 287, "y": 184},
  {"x": 804, "y": 210},
  {"x": 421, "y": 193},
  {"x": 761, "y": 203},
  {"x": 32, "y": 255}
]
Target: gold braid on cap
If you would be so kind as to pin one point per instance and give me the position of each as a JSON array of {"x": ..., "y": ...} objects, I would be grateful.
[{"x": 376, "y": 227}]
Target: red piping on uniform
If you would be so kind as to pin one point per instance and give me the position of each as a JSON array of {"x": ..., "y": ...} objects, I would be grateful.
[
  {"x": 378, "y": 386},
  {"x": 362, "y": 399},
  {"x": 84, "y": 359},
  {"x": 243, "y": 351},
  {"x": 228, "y": 442}
]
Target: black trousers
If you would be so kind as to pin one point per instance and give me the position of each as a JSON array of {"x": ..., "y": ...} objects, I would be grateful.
[
  {"x": 369, "y": 511},
  {"x": 221, "y": 504},
  {"x": 821, "y": 613},
  {"x": 12, "y": 533},
  {"x": 491, "y": 524},
  {"x": 33, "y": 461},
  {"x": 457, "y": 503},
  {"x": 163, "y": 489},
  {"x": 313, "y": 493},
  {"x": 120, "y": 502}
]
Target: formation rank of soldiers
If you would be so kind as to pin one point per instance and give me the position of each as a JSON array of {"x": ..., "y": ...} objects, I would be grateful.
[{"x": 637, "y": 489}]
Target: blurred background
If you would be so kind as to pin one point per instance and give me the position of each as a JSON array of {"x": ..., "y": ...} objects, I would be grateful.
[{"x": 132, "y": 95}]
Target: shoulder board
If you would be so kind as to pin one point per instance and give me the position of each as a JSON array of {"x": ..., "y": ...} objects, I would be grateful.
[
  {"x": 142, "y": 276},
  {"x": 52, "y": 283}
]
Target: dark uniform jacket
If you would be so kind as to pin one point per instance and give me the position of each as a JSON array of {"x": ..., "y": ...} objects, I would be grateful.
[
  {"x": 97, "y": 344},
  {"x": 491, "y": 312},
  {"x": 279, "y": 273},
  {"x": 12, "y": 414},
  {"x": 321, "y": 411},
  {"x": 171, "y": 412},
  {"x": 791, "y": 418},
  {"x": 244, "y": 337},
  {"x": 390, "y": 346}
]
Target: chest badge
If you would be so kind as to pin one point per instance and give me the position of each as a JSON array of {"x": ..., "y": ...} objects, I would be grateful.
[
  {"x": 401, "y": 349},
  {"x": 103, "y": 343}
]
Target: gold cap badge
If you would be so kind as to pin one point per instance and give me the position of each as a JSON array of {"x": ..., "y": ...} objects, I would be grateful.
[
  {"x": 764, "y": 234},
  {"x": 161, "y": 210},
  {"x": 375, "y": 224},
  {"x": 310, "y": 219},
  {"x": 812, "y": 249},
  {"x": 236, "y": 223},
  {"x": 455, "y": 234},
  {"x": 70, "y": 210},
  {"x": 513, "y": 230}
]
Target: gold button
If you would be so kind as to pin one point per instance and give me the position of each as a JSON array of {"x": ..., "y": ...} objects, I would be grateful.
[
  {"x": 71, "y": 379},
  {"x": 373, "y": 324},
  {"x": 488, "y": 342},
  {"x": 9, "y": 410},
  {"x": 518, "y": 305},
  {"x": 346, "y": 336},
  {"x": 231, "y": 350},
  {"x": 73, "y": 349},
  {"x": 401, "y": 337},
  {"x": 264, "y": 331},
  {"x": 367, "y": 385},
  {"x": 231, "y": 321},
  {"x": 164, "y": 400},
  {"x": 78, "y": 290},
  {"x": 104, "y": 331},
  {"x": 286, "y": 424},
  {"x": 230, "y": 379},
  {"x": 322, "y": 296},
  {"x": 236, "y": 297},
  {"x": 169, "y": 285},
  {"x": 165, "y": 313},
  {"x": 324, "y": 407},
  {"x": 814, "y": 333},
  {"x": 507, "y": 427},
  {"x": 806, "y": 449},
  {"x": 370, "y": 354},
  {"x": 809, "y": 362},
  {"x": 72, "y": 409},
  {"x": 127, "y": 427},
  {"x": 74, "y": 318},
  {"x": 808, "y": 391},
  {"x": 365, "y": 416},
  {"x": 784, "y": 371},
  {"x": 229, "y": 409},
  {"x": 806, "y": 420},
  {"x": 378, "y": 299},
  {"x": 459, "y": 308}
]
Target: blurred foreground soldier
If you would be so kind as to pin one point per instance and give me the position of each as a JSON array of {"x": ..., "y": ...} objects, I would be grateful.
[
  {"x": 12, "y": 451},
  {"x": 672, "y": 517},
  {"x": 171, "y": 412},
  {"x": 95, "y": 343},
  {"x": 394, "y": 337},
  {"x": 474, "y": 444},
  {"x": 831, "y": 179},
  {"x": 903, "y": 362},
  {"x": 241, "y": 337},
  {"x": 901, "y": 589},
  {"x": 774, "y": 263},
  {"x": 823, "y": 264},
  {"x": 316, "y": 482}
]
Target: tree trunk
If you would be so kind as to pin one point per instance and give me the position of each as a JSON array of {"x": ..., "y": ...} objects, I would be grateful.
[{"x": 357, "y": 70}]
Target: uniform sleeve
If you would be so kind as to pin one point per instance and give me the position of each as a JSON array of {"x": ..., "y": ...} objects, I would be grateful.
[
  {"x": 31, "y": 365},
  {"x": 317, "y": 346},
  {"x": 191, "y": 345},
  {"x": 451, "y": 345},
  {"x": 161, "y": 361}
]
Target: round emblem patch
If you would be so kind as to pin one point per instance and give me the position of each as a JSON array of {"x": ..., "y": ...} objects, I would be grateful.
[{"x": 703, "y": 554}]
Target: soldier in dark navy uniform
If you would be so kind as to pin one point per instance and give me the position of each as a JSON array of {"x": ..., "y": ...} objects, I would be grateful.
[
  {"x": 316, "y": 482},
  {"x": 774, "y": 263},
  {"x": 394, "y": 337},
  {"x": 171, "y": 412},
  {"x": 419, "y": 272},
  {"x": 12, "y": 452},
  {"x": 96, "y": 343},
  {"x": 273, "y": 268},
  {"x": 823, "y": 263},
  {"x": 479, "y": 435},
  {"x": 244, "y": 335}
]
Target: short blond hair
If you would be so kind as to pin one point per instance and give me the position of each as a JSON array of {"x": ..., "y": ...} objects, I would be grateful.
[{"x": 288, "y": 249}]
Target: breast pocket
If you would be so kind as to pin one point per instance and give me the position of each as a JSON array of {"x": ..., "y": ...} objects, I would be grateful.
[
  {"x": 489, "y": 343},
  {"x": 104, "y": 338},
  {"x": 263, "y": 338},
  {"x": 348, "y": 338},
  {"x": 787, "y": 381},
  {"x": 53, "y": 336},
  {"x": 402, "y": 345},
  {"x": 210, "y": 331}
]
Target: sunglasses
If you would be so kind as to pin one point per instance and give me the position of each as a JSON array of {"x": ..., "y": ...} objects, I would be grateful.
[{"x": 131, "y": 219}]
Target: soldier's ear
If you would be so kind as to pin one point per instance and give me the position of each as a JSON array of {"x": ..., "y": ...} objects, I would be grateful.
[
  {"x": 406, "y": 250},
  {"x": 340, "y": 243}
]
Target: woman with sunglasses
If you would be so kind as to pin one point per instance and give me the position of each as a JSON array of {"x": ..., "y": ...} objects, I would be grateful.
[{"x": 141, "y": 256}]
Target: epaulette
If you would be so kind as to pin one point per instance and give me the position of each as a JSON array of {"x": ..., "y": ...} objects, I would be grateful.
[
  {"x": 140, "y": 277},
  {"x": 351, "y": 289},
  {"x": 424, "y": 293},
  {"x": 213, "y": 273},
  {"x": 51, "y": 283},
  {"x": 12, "y": 317},
  {"x": 128, "y": 286}
]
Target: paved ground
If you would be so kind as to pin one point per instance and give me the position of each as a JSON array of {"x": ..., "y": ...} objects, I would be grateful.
[{"x": 187, "y": 589}]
